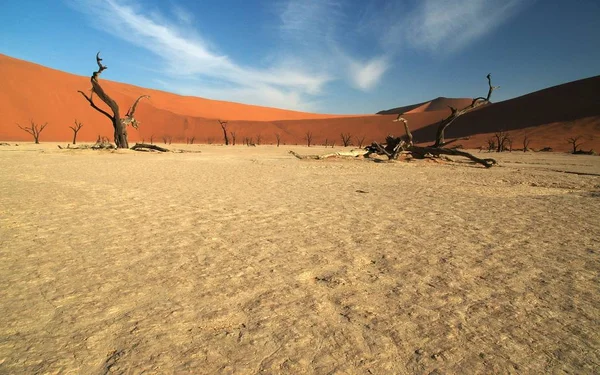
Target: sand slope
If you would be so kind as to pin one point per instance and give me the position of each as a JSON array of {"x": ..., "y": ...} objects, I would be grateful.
[
  {"x": 548, "y": 116},
  {"x": 249, "y": 261},
  {"x": 30, "y": 91}
]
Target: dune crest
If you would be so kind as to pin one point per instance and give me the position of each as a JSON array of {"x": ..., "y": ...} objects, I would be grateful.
[{"x": 32, "y": 91}]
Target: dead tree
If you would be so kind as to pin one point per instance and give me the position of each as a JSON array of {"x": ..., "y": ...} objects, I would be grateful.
[
  {"x": 360, "y": 141},
  {"x": 232, "y": 133},
  {"x": 308, "y": 138},
  {"x": 278, "y": 138},
  {"x": 491, "y": 144},
  {"x": 346, "y": 139},
  {"x": 526, "y": 141},
  {"x": 258, "y": 139},
  {"x": 509, "y": 141},
  {"x": 574, "y": 141},
  {"x": 394, "y": 146},
  {"x": 152, "y": 139},
  {"x": 76, "y": 128},
  {"x": 190, "y": 140},
  {"x": 119, "y": 124},
  {"x": 502, "y": 139},
  {"x": 224, "y": 127},
  {"x": 456, "y": 113},
  {"x": 34, "y": 129}
]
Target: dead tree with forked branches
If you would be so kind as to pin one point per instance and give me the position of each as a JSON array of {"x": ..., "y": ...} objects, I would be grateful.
[
  {"x": 360, "y": 141},
  {"x": 308, "y": 138},
  {"x": 278, "y": 138},
  {"x": 526, "y": 142},
  {"x": 573, "y": 141},
  {"x": 394, "y": 146},
  {"x": 34, "y": 129},
  {"x": 346, "y": 139},
  {"x": 224, "y": 127},
  {"x": 502, "y": 140},
  {"x": 456, "y": 113},
  {"x": 76, "y": 128},
  {"x": 119, "y": 124}
]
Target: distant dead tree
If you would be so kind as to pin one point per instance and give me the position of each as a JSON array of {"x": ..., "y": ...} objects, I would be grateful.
[
  {"x": 224, "y": 127},
  {"x": 491, "y": 144},
  {"x": 509, "y": 142},
  {"x": 152, "y": 139},
  {"x": 258, "y": 139},
  {"x": 76, "y": 128},
  {"x": 526, "y": 141},
  {"x": 574, "y": 141},
  {"x": 190, "y": 140},
  {"x": 346, "y": 139},
  {"x": 308, "y": 138},
  {"x": 119, "y": 124},
  {"x": 210, "y": 140},
  {"x": 232, "y": 133},
  {"x": 34, "y": 129},
  {"x": 278, "y": 138},
  {"x": 326, "y": 142},
  {"x": 360, "y": 141},
  {"x": 167, "y": 139},
  {"x": 502, "y": 139}
]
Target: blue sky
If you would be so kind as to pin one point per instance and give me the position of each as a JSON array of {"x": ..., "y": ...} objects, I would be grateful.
[{"x": 328, "y": 56}]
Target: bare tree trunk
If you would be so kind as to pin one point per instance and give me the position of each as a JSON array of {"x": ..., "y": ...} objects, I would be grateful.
[
  {"x": 477, "y": 102},
  {"x": 119, "y": 124},
  {"x": 76, "y": 128},
  {"x": 34, "y": 130},
  {"x": 308, "y": 137},
  {"x": 346, "y": 139},
  {"x": 224, "y": 127}
]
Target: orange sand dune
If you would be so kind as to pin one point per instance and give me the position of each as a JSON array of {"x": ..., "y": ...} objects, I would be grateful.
[
  {"x": 31, "y": 91},
  {"x": 548, "y": 116},
  {"x": 437, "y": 104}
]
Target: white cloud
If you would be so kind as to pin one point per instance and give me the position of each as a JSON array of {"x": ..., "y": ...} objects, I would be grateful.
[
  {"x": 317, "y": 43},
  {"x": 366, "y": 75},
  {"x": 448, "y": 26},
  {"x": 186, "y": 53}
]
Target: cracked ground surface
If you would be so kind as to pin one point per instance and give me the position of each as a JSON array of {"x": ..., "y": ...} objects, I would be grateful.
[{"x": 247, "y": 261}]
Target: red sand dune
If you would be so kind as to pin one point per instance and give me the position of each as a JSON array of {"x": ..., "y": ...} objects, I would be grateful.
[
  {"x": 437, "y": 104},
  {"x": 548, "y": 117},
  {"x": 31, "y": 91}
]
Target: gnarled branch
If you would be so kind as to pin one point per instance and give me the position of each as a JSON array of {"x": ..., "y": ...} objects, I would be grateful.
[{"x": 477, "y": 102}]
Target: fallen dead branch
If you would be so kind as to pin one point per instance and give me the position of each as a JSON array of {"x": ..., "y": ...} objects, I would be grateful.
[{"x": 395, "y": 146}]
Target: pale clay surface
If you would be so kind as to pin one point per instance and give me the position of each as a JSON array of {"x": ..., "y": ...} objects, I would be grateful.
[{"x": 245, "y": 260}]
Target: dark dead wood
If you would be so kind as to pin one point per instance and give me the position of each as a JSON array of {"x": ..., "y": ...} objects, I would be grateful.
[
  {"x": 420, "y": 152},
  {"x": 76, "y": 128},
  {"x": 456, "y": 113},
  {"x": 34, "y": 129},
  {"x": 145, "y": 147},
  {"x": 224, "y": 127},
  {"x": 119, "y": 124}
]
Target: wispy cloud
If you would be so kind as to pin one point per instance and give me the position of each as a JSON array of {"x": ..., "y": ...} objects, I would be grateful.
[
  {"x": 447, "y": 26},
  {"x": 323, "y": 27},
  {"x": 187, "y": 54},
  {"x": 318, "y": 44}
]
